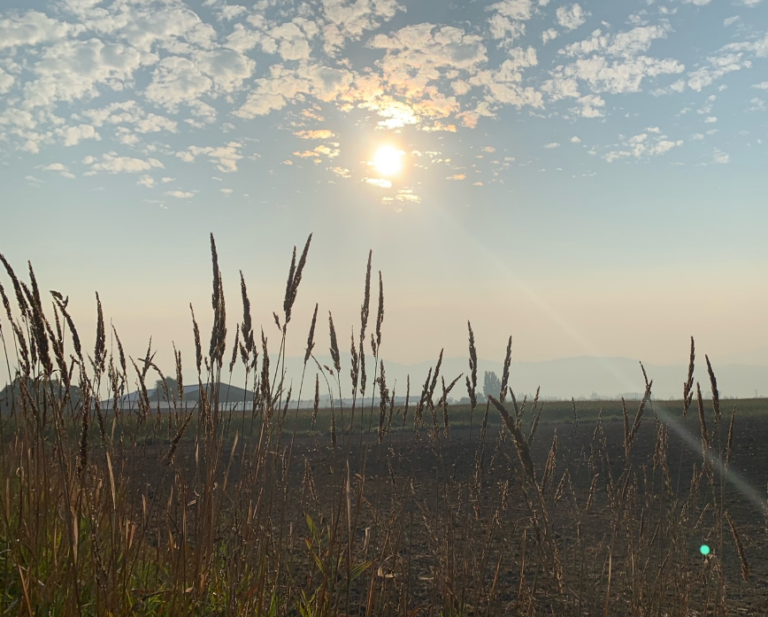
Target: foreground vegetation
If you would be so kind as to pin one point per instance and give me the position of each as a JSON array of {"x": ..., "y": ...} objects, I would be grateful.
[{"x": 368, "y": 510}]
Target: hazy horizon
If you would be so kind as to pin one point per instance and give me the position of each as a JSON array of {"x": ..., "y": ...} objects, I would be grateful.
[{"x": 587, "y": 178}]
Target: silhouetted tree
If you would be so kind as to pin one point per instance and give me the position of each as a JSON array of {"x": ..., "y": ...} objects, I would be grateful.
[{"x": 491, "y": 384}]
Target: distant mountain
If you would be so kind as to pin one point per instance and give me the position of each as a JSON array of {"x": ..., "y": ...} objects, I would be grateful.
[{"x": 754, "y": 357}]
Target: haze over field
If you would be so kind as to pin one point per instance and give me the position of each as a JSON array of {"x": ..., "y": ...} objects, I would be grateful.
[{"x": 587, "y": 177}]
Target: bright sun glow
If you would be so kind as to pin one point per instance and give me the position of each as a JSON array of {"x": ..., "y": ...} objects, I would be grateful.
[{"x": 388, "y": 160}]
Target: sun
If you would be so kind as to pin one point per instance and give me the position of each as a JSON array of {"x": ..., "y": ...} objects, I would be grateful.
[{"x": 388, "y": 160}]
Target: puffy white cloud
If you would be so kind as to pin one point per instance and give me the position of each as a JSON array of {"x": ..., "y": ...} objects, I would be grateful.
[
  {"x": 113, "y": 163},
  {"x": 316, "y": 134},
  {"x": 504, "y": 28},
  {"x": 513, "y": 9},
  {"x": 227, "y": 68},
  {"x": 575, "y": 140},
  {"x": 147, "y": 181},
  {"x": 552, "y": 146},
  {"x": 153, "y": 123},
  {"x": 180, "y": 194},
  {"x": 610, "y": 63},
  {"x": 504, "y": 84},
  {"x": 71, "y": 70},
  {"x": 590, "y": 106},
  {"x": 33, "y": 28},
  {"x": 413, "y": 47},
  {"x": 73, "y": 135},
  {"x": 352, "y": 18},
  {"x": 643, "y": 145},
  {"x": 549, "y": 35},
  {"x": 288, "y": 40},
  {"x": 274, "y": 92},
  {"x": 224, "y": 157},
  {"x": 718, "y": 66},
  {"x": 720, "y": 157},
  {"x": 571, "y": 17},
  {"x": 174, "y": 27},
  {"x": 177, "y": 80},
  {"x": 60, "y": 168},
  {"x": 6, "y": 81},
  {"x": 763, "y": 85},
  {"x": 758, "y": 47},
  {"x": 242, "y": 39}
]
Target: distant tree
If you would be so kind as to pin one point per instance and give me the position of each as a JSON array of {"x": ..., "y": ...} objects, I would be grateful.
[
  {"x": 173, "y": 389},
  {"x": 492, "y": 384}
]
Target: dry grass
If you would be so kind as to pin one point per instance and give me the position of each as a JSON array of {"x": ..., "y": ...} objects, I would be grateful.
[{"x": 229, "y": 524}]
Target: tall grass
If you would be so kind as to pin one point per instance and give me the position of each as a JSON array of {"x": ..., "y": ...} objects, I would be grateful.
[{"x": 115, "y": 510}]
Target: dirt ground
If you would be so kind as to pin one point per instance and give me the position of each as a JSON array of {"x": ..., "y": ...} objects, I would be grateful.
[{"x": 434, "y": 468}]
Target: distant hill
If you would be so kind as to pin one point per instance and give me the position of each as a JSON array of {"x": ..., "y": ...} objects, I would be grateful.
[
  {"x": 576, "y": 377},
  {"x": 227, "y": 394}
]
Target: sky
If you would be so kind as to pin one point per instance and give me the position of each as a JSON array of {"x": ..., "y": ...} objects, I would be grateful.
[{"x": 586, "y": 177}]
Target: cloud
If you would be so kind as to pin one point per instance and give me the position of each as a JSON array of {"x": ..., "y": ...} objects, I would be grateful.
[
  {"x": 342, "y": 172},
  {"x": 718, "y": 66},
  {"x": 284, "y": 85},
  {"x": 549, "y": 35},
  {"x": 55, "y": 167},
  {"x": 610, "y": 63},
  {"x": 226, "y": 191},
  {"x": 226, "y": 68},
  {"x": 589, "y": 106},
  {"x": 32, "y": 28},
  {"x": 710, "y": 119},
  {"x": 456, "y": 177},
  {"x": 288, "y": 40},
  {"x": 575, "y": 140},
  {"x": 6, "y": 81},
  {"x": 223, "y": 157},
  {"x": 58, "y": 167},
  {"x": 571, "y": 17},
  {"x": 503, "y": 85},
  {"x": 71, "y": 70},
  {"x": 552, "y": 145},
  {"x": 380, "y": 182},
  {"x": 643, "y": 145},
  {"x": 513, "y": 9},
  {"x": 504, "y": 28},
  {"x": 731, "y": 20},
  {"x": 154, "y": 124},
  {"x": 147, "y": 181},
  {"x": 73, "y": 135},
  {"x": 177, "y": 80},
  {"x": 113, "y": 163},
  {"x": 763, "y": 85},
  {"x": 180, "y": 194},
  {"x": 720, "y": 157},
  {"x": 316, "y": 134},
  {"x": 351, "y": 18},
  {"x": 407, "y": 195}
]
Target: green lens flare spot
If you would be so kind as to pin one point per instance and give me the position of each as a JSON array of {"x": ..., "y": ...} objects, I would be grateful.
[{"x": 704, "y": 550}]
